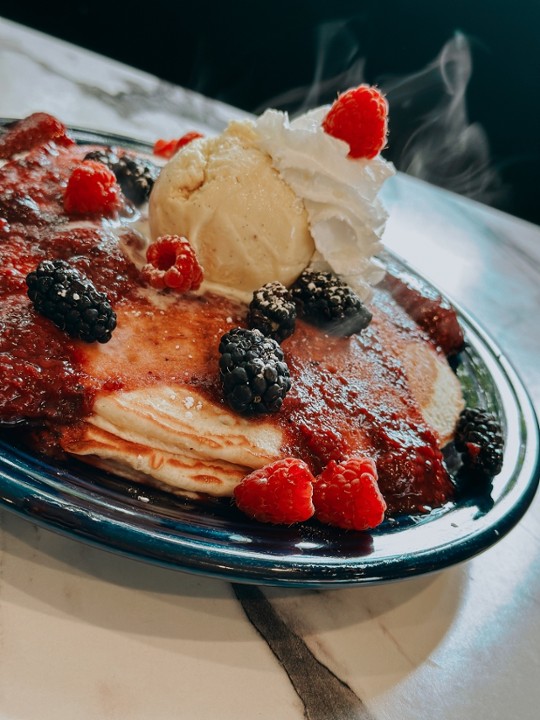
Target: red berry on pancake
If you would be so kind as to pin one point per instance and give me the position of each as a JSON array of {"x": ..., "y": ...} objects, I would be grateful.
[
  {"x": 172, "y": 263},
  {"x": 168, "y": 148},
  {"x": 347, "y": 495},
  {"x": 277, "y": 493},
  {"x": 34, "y": 130},
  {"x": 91, "y": 188},
  {"x": 359, "y": 117}
]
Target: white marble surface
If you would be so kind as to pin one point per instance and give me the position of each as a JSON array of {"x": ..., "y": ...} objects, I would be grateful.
[{"x": 87, "y": 634}]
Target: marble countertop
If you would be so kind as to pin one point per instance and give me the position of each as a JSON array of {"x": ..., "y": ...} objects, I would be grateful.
[{"x": 85, "y": 633}]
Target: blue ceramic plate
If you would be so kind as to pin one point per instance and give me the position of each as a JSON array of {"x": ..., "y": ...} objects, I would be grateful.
[{"x": 211, "y": 537}]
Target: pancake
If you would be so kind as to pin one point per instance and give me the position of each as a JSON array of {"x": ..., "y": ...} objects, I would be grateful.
[
  {"x": 166, "y": 422},
  {"x": 148, "y": 404},
  {"x": 174, "y": 435}
]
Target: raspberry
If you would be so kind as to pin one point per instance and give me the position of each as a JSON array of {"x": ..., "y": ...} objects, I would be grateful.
[
  {"x": 278, "y": 493},
  {"x": 359, "y": 117},
  {"x": 172, "y": 263},
  {"x": 135, "y": 175},
  {"x": 168, "y": 148},
  {"x": 34, "y": 130},
  {"x": 91, "y": 188},
  {"x": 347, "y": 495}
]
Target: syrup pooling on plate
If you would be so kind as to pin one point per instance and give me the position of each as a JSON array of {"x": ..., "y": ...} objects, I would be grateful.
[{"x": 348, "y": 395}]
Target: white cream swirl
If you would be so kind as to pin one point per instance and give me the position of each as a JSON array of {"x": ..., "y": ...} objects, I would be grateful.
[{"x": 339, "y": 193}]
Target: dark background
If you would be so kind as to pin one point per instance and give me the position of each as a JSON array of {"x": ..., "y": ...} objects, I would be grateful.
[{"x": 290, "y": 54}]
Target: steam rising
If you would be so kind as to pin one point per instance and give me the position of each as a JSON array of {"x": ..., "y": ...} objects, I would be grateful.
[
  {"x": 437, "y": 143},
  {"x": 430, "y": 133},
  {"x": 334, "y": 40}
]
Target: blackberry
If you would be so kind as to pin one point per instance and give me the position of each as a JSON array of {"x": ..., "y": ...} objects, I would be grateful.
[
  {"x": 272, "y": 311},
  {"x": 254, "y": 374},
  {"x": 328, "y": 302},
  {"x": 136, "y": 176},
  {"x": 107, "y": 157},
  {"x": 67, "y": 297},
  {"x": 480, "y": 441}
]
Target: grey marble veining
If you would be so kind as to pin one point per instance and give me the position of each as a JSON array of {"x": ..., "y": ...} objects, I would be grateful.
[
  {"x": 86, "y": 634},
  {"x": 88, "y": 91}
]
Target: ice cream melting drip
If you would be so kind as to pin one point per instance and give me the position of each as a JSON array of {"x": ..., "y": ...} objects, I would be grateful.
[{"x": 434, "y": 139}]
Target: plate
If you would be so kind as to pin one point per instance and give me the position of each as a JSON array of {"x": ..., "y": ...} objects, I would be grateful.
[{"x": 213, "y": 538}]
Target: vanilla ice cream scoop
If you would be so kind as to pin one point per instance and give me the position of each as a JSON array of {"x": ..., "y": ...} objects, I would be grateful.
[
  {"x": 246, "y": 224},
  {"x": 270, "y": 197}
]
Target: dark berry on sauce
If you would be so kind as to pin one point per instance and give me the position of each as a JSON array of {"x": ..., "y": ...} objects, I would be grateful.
[
  {"x": 253, "y": 371},
  {"x": 272, "y": 311},
  {"x": 135, "y": 175},
  {"x": 64, "y": 295},
  {"x": 480, "y": 441},
  {"x": 328, "y": 302},
  {"x": 106, "y": 156}
]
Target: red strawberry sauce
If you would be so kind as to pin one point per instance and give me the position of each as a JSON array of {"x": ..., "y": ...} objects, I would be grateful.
[
  {"x": 40, "y": 367},
  {"x": 348, "y": 395}
]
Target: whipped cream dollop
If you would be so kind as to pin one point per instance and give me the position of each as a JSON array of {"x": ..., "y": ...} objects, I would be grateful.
[{"x": 345, "y": 216}]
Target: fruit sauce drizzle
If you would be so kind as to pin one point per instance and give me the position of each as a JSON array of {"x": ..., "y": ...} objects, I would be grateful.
[
  {"x": 40, "y": 365},
  {"x": 348, "y": 394}
]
